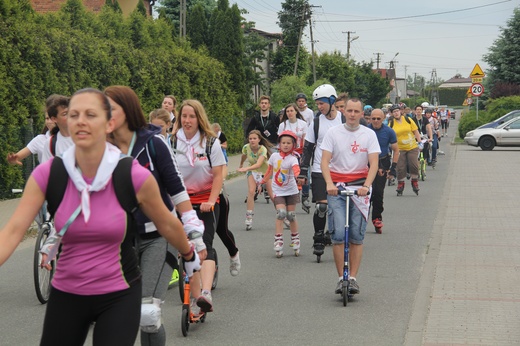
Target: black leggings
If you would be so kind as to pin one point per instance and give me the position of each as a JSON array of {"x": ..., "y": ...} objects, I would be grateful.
[
  {"x": 210, "y": 220},
  {"x": 68, "y": 318},
  {"x": 222, "y": 227}
]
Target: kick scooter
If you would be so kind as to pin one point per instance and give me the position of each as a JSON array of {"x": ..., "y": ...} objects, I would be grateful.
[{"x": 345, "y": 290}]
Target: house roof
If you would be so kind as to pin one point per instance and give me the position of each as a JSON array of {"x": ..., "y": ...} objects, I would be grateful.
[{"x": 457, "y": 82}]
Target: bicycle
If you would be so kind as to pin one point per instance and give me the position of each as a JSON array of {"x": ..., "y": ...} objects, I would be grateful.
[
  {"x": 345, "y": 290},
  {"x": 41, "y": 275},
  {"x": 422, "y": 167},
  {"x": 187, "y": 316}
]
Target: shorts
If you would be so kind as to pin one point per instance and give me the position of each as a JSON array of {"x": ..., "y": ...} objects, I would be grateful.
[
  {"x": 444, "y": 123},
  {"x": 338, "y": 218},
  {"x": 319, "y": 187},
  {"x": 287, "y": 200}
]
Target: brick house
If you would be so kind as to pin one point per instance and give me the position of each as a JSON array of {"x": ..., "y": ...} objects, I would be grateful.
[{"x": 127, "y": 6}]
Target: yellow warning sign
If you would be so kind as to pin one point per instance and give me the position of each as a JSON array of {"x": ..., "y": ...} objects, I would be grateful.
[
  {"x": 477, "y": 72},
  {"x": 468, "y": 93}
]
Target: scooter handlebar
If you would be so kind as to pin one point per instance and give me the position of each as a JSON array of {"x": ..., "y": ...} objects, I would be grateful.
[{"x": 350, "y": 193}]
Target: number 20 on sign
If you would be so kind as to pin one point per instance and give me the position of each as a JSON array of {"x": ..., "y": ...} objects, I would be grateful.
[{"x": 477, "y": 89}]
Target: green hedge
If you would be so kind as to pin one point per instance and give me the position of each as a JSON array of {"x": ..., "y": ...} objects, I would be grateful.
[{"x": 73, "y": 49}]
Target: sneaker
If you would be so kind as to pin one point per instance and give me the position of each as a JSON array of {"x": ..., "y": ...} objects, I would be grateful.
[
  {"x": 378, "y": 224},
  {"x": 234, "y": 265},
  {"x": 204, "y": 301},
  {"x": 175, "y": 278},
  {"x": 353, "y": 286},
  {"x": 194, "y": 307},
  {"x": 339, "y": 287}
]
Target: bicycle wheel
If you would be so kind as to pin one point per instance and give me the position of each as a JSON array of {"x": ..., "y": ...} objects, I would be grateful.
[
  {"x": 215, "y": 277},
  {"x": 185, "y": 320},
  {"x": 423, "y": 170},
  {"x": 42, "y": 276}
]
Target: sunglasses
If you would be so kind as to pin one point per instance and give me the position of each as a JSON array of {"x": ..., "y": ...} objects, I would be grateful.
[{"x": 376, "y": 118}]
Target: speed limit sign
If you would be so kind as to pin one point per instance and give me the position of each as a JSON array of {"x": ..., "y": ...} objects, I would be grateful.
[{"x": 477, "y": 89}]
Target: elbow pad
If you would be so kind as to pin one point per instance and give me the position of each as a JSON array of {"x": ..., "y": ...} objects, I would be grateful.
[{"x": 308, "y": 151}]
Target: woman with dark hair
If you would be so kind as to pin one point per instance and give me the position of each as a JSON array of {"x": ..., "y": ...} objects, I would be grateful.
[
  {"x": 98, "y": 277},
  {"x": 135, "y": 137}
]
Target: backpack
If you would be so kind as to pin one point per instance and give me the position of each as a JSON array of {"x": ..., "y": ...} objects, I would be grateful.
[
  {"x": 207, "y": 151},
  {"x": 317, "y": 125},
  {"x": 122, "y": 174},
  {"x": 391, "y": 122}
]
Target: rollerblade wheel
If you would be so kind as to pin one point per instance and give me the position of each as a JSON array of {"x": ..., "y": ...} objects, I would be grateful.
[{"x": 318, "y": 258}]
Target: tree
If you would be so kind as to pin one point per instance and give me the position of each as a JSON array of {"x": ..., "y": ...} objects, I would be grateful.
[
  {"x": 504, "y": 55},
  {"x": 170, "y": 9},
  {"x": 197, "y": 26},
  {"x": 227, "y": 45},
  {"x": 292, "y": 19}
]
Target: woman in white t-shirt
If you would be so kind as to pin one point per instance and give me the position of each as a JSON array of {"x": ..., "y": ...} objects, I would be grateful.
[
  {"x": 203, "y": 179},
  {"x": 293, "y": 121}
]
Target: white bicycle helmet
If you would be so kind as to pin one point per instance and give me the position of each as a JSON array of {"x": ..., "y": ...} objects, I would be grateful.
[
  {"x": 324, "y": 91},
  {"x": 425, "y": 105}
]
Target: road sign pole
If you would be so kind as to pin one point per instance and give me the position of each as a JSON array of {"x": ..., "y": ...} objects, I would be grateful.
[{"x": 477, "y": 107}]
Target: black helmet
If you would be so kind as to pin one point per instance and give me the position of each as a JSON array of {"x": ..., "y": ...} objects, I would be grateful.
[
  {"x": 301, "y": 96},
  {"x": 428, "y": 110},
  {"x": 394, "y": 107}
]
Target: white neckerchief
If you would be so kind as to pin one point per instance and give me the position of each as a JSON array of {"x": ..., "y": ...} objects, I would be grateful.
[
  {"x": 190, "y": 150},
  {"x": 104, "y": 173}
]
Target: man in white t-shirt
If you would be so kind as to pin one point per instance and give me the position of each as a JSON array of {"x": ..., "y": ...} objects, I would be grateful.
[
  {"x": 306, "y": 112},
  {"x": 325, "y": 97},
  {"x": 57, "y": 107},
  {"x": 350, "y": 157}
]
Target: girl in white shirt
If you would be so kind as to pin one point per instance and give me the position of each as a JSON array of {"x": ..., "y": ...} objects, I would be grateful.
[
  {"x": 284, "y": 168},
  {"x": 293, "y": 121}
]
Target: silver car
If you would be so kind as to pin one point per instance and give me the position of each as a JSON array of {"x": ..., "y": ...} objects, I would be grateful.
[{"x": 505, "y": 135}]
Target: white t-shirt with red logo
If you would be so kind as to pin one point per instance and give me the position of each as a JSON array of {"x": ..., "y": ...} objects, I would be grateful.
[
  {"x": 350, "y": 151},
  {"x": 284, "y": 180}
]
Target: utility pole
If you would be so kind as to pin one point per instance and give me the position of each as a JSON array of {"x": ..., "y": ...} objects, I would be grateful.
[
  {"x": 182, "y": 19},
  {"x": 349, "y": 40},
  {"x": 378, "y": 59},
  {"x": 305, "y": 9},
  {"x": 312, "y": 49}
]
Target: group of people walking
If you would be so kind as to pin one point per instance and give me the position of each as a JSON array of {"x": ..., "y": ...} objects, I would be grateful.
[{"x": 179, "y": 169}]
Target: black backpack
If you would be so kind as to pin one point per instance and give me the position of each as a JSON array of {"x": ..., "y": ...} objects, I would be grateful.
[
  {"x": 121, "y": 179},
  {"x": 207, "y": 151},
  {"x": 391, "y": 122},
  {"x": 317, "y": 125}
]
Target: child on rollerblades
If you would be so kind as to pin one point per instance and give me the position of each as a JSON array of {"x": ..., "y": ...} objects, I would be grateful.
[
  {"x": 284, "y": 167},
  {"x": 257, "y": 152}
]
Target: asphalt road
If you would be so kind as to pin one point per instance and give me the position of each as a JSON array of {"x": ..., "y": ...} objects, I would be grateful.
[{"x": 285, "y": 301}]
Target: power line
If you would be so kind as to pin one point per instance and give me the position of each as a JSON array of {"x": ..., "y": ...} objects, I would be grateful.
[{"x": 418, "y": 15}]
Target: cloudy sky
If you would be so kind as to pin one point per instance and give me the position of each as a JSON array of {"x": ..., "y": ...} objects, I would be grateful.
[{"x": 450, "y": 36}]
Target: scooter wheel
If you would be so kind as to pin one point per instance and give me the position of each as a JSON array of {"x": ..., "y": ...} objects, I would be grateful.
[
  {"x": 185, "y": 320},
  {"x": 344, "y": 295},
  {"x": 318, "y": 258}
]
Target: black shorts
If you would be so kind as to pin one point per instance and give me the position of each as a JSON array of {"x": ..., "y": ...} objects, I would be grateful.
[{"x": 319, "y": 187}]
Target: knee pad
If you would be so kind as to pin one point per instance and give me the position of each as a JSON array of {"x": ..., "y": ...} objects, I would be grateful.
[
  {"x": 281, "y": 214},
  {"x": 150, "y": 315},
  {"x": 291, "y": 216},
  {"x": 321, "y": 209}
]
